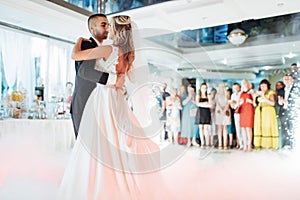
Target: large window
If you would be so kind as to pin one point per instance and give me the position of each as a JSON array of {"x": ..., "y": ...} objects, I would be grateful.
[
  {"x": 27, "y": 61},
  {"x": 110, "y": 6},
  {"x": 90, "y": 5}
]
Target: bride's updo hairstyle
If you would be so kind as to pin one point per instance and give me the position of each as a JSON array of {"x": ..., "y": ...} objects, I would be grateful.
[{"x": 121, "y": 27}]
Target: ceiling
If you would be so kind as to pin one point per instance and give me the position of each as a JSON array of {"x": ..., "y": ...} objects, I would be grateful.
[{"x": 266, "y": 52}]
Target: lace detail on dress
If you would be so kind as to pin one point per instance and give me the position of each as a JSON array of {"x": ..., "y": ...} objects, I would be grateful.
[{"x": 108, "y": 65}]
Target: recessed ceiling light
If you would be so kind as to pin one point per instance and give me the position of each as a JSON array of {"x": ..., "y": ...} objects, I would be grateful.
[
  {"x": 267, "y": 67},
  {"x": 224, "y": 61},
  {"x": 290, "y": 55},
  {"x": 280, "y": 4},
  {"x": 204, "y": 18}
]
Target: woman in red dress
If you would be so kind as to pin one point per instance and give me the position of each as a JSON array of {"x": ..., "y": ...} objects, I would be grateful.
[{"x": 246, "y": 111}]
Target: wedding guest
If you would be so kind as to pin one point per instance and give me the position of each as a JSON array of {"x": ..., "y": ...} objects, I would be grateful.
[
  {"x": 279, "y": 85},
  {"x": 213, "y": 127},
  {"x": 189, "y": 108},
  {"x": 203, "y": 116},
  {"x": 181, "y": 95},
  {"x": 222, "y": 115},
  {"x": 157, "y": 95},
  {"x": 231, "y": 126},
  {"x": 163, "y": 117},
  {"x": 252, "y": 86},
  {"x": 265, "y": 122},
  {"x": 286, "y": 103},
  {"x": 234, "y": 104},
  {"x": 173, "y": 107},
  {"x": 182, "y": 92},
  {"x": 246, "y": 110},
  {"x": 68, "y": 97}
]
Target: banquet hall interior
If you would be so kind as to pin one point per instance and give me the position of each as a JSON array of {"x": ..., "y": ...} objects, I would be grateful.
[{"x": 179, "y": 43}]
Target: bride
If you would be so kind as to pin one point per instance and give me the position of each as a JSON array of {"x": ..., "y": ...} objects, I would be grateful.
[{"x": 112, "y": 157}]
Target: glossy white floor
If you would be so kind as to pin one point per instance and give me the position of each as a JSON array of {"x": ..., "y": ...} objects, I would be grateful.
[{"x": 29, "y": 171}]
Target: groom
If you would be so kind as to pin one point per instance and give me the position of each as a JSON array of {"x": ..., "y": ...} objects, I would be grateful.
[{"x": 86, "y": 76}]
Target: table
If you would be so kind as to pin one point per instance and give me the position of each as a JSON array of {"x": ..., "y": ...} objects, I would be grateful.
[{"x": 53, "y": 134}]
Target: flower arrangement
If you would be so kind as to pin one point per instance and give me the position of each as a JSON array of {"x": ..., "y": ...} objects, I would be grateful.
[{"x": 17, "y": 96}]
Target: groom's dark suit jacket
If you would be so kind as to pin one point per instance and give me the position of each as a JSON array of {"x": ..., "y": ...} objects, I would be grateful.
[
  {"x": 86, "y": 80},
  {"x": 85, "y": 45}
]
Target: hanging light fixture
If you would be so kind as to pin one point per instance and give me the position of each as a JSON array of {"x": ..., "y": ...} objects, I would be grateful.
[{"x": 237, "y": 37}]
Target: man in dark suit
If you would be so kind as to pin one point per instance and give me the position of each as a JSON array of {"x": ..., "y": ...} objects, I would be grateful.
[
  {"x": 163, "y": 117},
  {"x": 286, "y": 101},
  {"x": 86, "y": 76}
]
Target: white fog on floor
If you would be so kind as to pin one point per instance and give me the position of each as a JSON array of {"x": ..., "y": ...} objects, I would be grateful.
[{"x": 30, "y": 170}]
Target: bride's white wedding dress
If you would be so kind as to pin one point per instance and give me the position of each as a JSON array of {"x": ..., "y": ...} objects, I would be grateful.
[{"x": 112, "y": 158}]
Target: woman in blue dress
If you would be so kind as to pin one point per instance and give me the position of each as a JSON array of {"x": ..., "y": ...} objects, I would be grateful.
[{"x": 188, "y": 127}]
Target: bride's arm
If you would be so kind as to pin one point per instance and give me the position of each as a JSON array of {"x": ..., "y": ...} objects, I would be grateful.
[
  {"x": 88, "y": 72},
  {"x": 89, "y": 54}
]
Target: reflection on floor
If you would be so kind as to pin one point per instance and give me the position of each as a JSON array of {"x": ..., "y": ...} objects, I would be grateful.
[{"x": 29, "y": 171}]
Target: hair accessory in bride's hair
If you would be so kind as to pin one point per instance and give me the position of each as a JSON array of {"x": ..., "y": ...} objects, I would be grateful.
[{"x": 123, "y": 20}]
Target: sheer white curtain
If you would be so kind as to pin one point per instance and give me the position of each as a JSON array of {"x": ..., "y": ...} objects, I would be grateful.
[
  {"x": 19, "y": 51},
  {"x": 26, "y": 71},
  {"x": 10, "y": 52},
  {"x": 17, "y": 60},
  {"x": 60, "y": 69},
  {"x": 1, "y": 47}
]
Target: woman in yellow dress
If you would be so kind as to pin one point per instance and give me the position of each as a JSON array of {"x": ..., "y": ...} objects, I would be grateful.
[{"x": 265, "y": 123}]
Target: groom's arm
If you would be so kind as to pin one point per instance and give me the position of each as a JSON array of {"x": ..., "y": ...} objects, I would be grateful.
[{"x": 85, "y": 44}]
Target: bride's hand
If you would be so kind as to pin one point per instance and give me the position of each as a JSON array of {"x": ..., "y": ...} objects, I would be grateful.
[{"x": 120, "y": 81}]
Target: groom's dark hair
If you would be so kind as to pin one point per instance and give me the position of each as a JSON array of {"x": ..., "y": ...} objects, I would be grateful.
[{"x": 94, "y": 16}]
